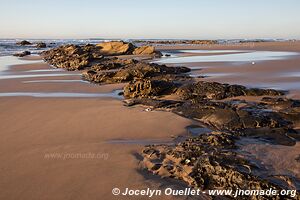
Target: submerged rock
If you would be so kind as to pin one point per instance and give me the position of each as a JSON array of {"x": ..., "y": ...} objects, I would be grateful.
[{"x": 22, "y": 54}]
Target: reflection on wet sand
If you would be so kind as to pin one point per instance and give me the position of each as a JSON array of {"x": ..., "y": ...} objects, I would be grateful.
[
  {"x": 114, "y": 94},
  {"x": 31, "y": 74},
  {"x": 252, "y": 56}
]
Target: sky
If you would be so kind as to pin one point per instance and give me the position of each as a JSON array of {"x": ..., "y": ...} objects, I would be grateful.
[{"x": 145, "y": 19}]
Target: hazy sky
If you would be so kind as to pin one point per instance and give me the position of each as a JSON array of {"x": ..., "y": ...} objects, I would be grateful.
[{"x": 195, "y": 19}]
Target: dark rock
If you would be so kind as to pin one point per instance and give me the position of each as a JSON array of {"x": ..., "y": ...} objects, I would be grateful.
[
  {"x": 281, "y": 136},
  {"x": 208, "y": 161},
  {"x": 75, "y": 57},
  {"x": 244, "y": 121},
  {"x": 41, "y": 45},
  {"x": 24, "y": 53},
  {"x": 130, "y": 71},
  {"x": 218, "y": 91},
  {"x": 148, "y": 88},
  {"x": 70, "y": 57},
  {"x": 262, "y": 92},
  {"x": 24, "y": 42}
]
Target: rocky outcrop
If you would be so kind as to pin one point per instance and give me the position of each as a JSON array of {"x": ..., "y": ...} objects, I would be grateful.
[
  {"x": 70, "y": 57},
  {"x": 41, "y": 45},
  {"x": 147, "y": 50},
  {"x": 148, "y": 88},
  {"x": 241, "y": 118},
  {"x": 116, "y": 48},
  {"x": 201, "y": 101},
  {"x": 97, "y": 57},
  {"x": 22, "y": 54},
  {"x": 217, "y": 91},
  {"x": 210, "y": 161},
  {"x": 24, "y": 42},
  {"x": 131, "y": 71}
]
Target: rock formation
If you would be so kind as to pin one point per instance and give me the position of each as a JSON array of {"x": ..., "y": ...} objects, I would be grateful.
[
  {"x": 22, "y": 54},
  {"x": 41, "y": 45},
  {"x": 24, "y": 42}
]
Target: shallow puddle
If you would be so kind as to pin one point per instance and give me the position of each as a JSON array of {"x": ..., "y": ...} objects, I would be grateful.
[
  {"x": 46, "y": 70},
  {"x": 279, "y": 160},
  {"x": 15, "y": 76},
  {"x": 56, "y": 81},
  {"x": 6, "y": 61},
  {"x": 114, "y": 94},
  {"x": 195, "y": 130},
  {"x": 252, "y": 56}
]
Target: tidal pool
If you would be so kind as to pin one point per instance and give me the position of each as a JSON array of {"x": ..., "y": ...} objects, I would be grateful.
[{"x": 251, "y": 56}]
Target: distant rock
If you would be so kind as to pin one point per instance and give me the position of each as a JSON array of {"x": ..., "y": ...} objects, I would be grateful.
[
  {"x": 41, "y": 45},
  {"x": 22, "y": 54},
  {"x": 24, "y": 42},
  {"x": 116, "y": 48}
]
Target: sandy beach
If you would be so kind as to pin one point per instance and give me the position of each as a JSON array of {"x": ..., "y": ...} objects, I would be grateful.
[
  {"x": 45, "y": 141},
  {"x": 33, "y": 128}
]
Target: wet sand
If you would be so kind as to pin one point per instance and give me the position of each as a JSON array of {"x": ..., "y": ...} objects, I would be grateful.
[
  {"x": 270, "y": 73},
  {"x": 34, "y": 128}
]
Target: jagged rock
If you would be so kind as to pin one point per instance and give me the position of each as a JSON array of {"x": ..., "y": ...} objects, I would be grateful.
[
  {"x": 208, "y": 161},
  {"x": 112, "y": 64},
  {"x": 147, "y": 50},
  {"x": 116, "y": 48},
  {"x": 132, "y": 70},
  {"x": 75, "y": 57},
  {"x": 41, "y": 45},
  {"x": 148, "y": 88},
  {"x": 70, "y": 57},
  {"x": 223, "y": 115},
  {"x": 24, "y": 53},
  {"x": 286, "y": 108},
  {"x": 24, "y": 42},
  {"x": 217, "y": 91}
]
